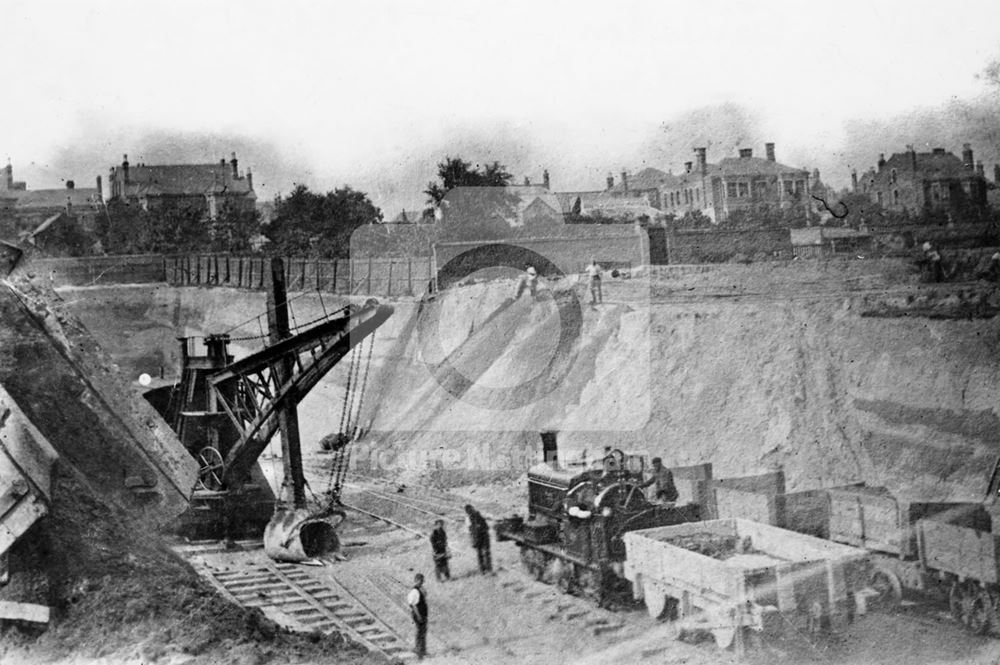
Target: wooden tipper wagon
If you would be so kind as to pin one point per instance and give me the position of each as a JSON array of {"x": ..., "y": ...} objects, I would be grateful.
[{"x": 729, "y": 574}]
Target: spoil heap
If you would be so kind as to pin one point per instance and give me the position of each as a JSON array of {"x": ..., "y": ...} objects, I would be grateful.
[{"x": 812, "y": 384}]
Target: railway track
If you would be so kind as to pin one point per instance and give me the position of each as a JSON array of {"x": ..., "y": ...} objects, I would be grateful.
[{"x": 309, "y": 604}]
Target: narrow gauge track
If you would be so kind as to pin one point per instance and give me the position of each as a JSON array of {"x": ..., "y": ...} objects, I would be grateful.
[{"x": 311, "y": 603}]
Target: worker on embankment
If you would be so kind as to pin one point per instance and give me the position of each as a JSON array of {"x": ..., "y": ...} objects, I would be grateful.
[
  {"x": 662, "y": 482},
  {"x": 932, "y": 262},
  {"x": 528, "y": 281},
  {"x": 479, "y": 532},
  {"x": 594, "y": 280},
  {"x": 439, "y": 548}
]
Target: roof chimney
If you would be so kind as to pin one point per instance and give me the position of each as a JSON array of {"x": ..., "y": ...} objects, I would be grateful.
[
  {"x": 687, "y": 167},
  {"x": 249, "y": 179},
  {"x": 967, "y": 156},
  {"x": 70, "y": 184},
  {"x": 527, "y": 183},
  {"x": 624, "y": 180},
  {"x": 700, "y": 155},
  {"x": 746, "y": 153},
  {"x": 854, "y": 180},
  {"x": 545, "y": 178},
  {"x": 125, "y": 168},
  {"x": 980, "y": 171},
  {"x": 611, "y": 181},
  {"x": 236, "y": 173},
  {"x": 769, "y": 151},
  {"x": 100, "y": 190},
  {"x": 881, "y": 160},
  {"x": 913, "y": 156},
  {"x": 938, "y": 151}
]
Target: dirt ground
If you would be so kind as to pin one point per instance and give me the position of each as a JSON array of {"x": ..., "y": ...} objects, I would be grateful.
[{"x": 120, "y": 595}]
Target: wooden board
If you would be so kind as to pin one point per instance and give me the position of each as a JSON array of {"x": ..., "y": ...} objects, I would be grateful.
[
  {"x": 869, "y": 518},
  {"x": 957, "y": 549},
  {"x": 11, "y": 611}
]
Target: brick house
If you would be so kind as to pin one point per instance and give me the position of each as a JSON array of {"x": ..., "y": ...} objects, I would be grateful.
[
  {"x": 914, "y": 182},
  {"x": 745, "y": 184},
  {"x": 209, "y": 187}
]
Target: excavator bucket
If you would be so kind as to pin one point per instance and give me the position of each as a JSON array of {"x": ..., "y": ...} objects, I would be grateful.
[{"x": 299, "y": 534}]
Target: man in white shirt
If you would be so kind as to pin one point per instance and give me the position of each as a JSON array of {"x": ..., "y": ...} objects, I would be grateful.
[
  {"x": 528, "y": 281},
  {"x": 417, "y": 600},
  {"x": 594, "y": 278}
]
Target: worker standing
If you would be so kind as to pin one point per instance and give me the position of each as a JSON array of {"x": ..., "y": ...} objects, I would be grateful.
[
  {"x": 479, "y": 531},
  {"x": 933, "y": 260},
  {"x": 594, "y": 279},
  {"x": 417, "y": 600},
  {"x": 662, "y": 482},
  {"x": 528, "y": 281},
  {"x": 439, "y": 547}
]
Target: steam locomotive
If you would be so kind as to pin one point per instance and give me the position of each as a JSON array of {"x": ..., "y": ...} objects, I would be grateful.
[{"x": 577, "y": 515}]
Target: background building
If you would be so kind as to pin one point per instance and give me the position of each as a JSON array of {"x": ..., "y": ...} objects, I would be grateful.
[
  {"x": 914, "y": 182},
  {"x": 209, "y": 187}
]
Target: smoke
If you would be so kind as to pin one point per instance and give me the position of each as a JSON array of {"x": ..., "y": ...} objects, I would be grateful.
[
  {"x": 949, "y": 125},
  {"x": 722, "y": 128},
  {"x": 96, "y": 145}
]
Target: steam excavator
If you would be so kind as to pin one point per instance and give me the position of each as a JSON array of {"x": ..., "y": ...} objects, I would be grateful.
[{"x": 226, "y": 412}]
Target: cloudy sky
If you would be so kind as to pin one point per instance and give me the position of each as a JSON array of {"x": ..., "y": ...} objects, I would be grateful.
[{"x": 373, "y": 94}]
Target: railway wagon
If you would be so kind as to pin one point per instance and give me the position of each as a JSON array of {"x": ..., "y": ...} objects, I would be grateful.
[
  {"x": 944, "y": 548},
  {"x": 728, "y": 575},
  {"x": 960, "y": 547}
]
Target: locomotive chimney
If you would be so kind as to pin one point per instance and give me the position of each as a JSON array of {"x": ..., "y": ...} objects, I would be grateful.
[{"x": 550, "y": 449}]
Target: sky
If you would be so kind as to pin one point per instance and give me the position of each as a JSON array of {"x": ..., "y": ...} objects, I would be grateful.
[{"x": 374, "y": 94}]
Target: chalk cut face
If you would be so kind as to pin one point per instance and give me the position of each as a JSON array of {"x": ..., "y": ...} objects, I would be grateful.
[{"x": 504, "y": 334}]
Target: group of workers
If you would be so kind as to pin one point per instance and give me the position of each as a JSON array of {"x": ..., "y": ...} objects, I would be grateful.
[
  {"x": 660, "y": 487},
  {"x": 479, "y": 534},
  {"x": 529, "y": 282},
  {"x": 934, "y": 266}
]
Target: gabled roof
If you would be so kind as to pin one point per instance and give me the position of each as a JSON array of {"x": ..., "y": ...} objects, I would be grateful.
[
  {"x": 755, "y": 166},
  {"x": 57, "y": 198},
  {"x": 933, "y": 165},
  {"x": 185, "y": 180}
]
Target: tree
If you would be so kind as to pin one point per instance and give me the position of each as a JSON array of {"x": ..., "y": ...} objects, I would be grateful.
[
  {"x": 320, "y": 225},
  {"x": 234, "y": 230},
  {"x": 474, "y": 201}
]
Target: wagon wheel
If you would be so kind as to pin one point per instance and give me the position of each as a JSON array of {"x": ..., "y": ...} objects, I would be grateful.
[
  {"x": 656, "y": 600},
  {"x": 887, "y": 586},
  {"x": 210, "y": 469},
  {"x": 980, "y": 609},
  {"x": 564, "y": 578}
]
